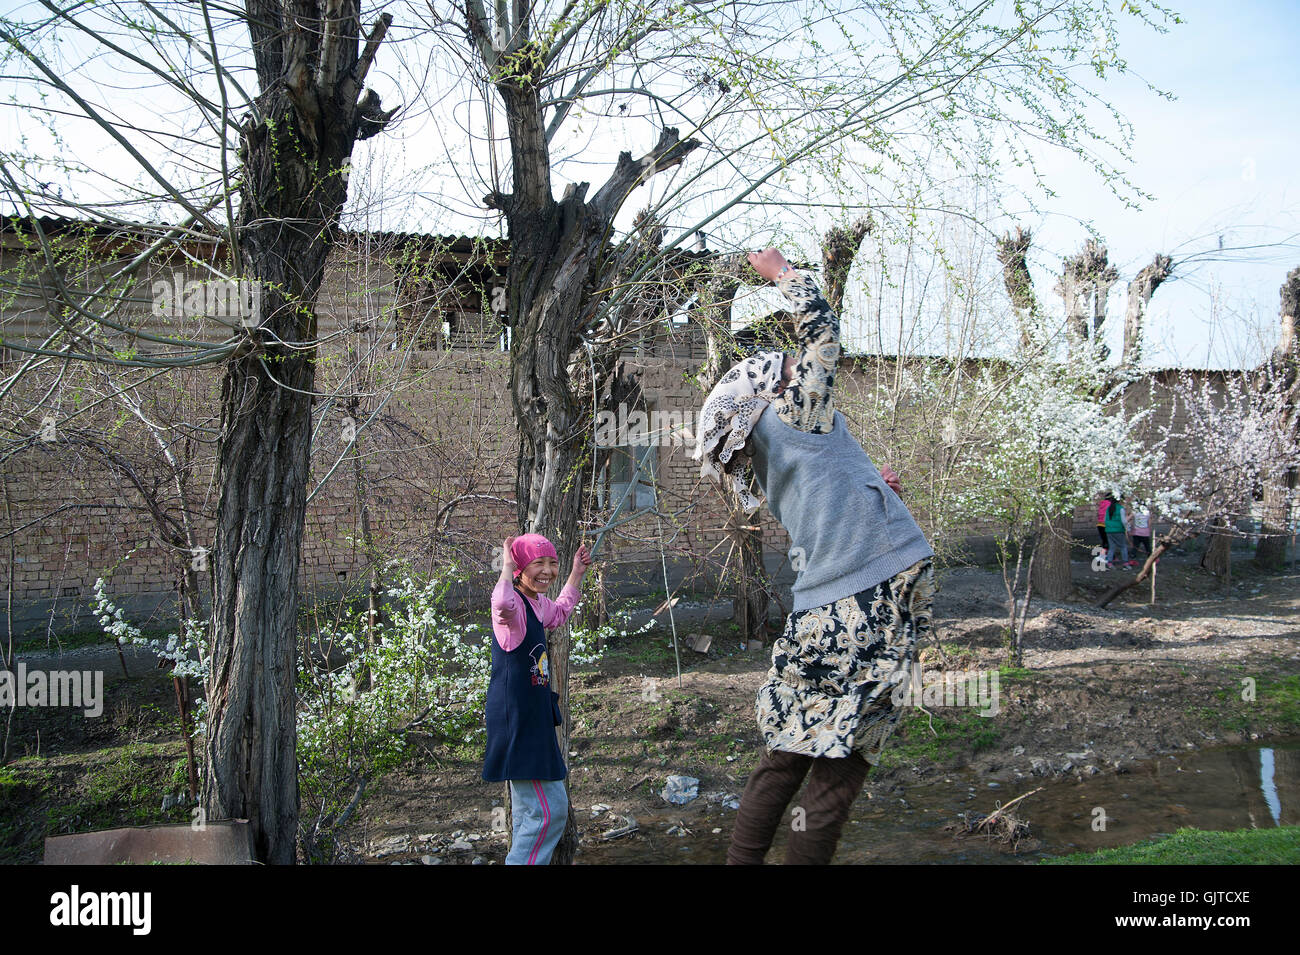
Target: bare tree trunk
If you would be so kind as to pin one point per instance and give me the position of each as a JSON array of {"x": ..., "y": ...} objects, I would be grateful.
[
  {"x": 1279, "y": 495},
  {"x": 714, "y": 315},
  {"x": 361, "y": 485},
  {"x": 1140, "y": 291},
  {"x": 839, "y": 248},
  {"x": 1024, "y": 610},
  {"x": 1086, "y": 279},
  {"x": 1102, "y": 283},
  {"x": 1217, "y": 558},
  {"x": 1017, "y": 609},
  {"x": 1052, "y": 574},
  {"x": 556, "y": 250},
  {"x": 1072, "y": 288},
  {"x": 751, "y": 597},
  {"x": 595, "y": 605},
  {"x": 295, "y": 157},
  {"x": 1053, "y": 578},
  {"x": 181, "y": 686},
  {"x": 252, "y": 733}
]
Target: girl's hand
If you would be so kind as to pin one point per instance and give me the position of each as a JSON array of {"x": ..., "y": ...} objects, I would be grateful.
[
  {"x": 507, "y": 562},
  {"x": 768, "y": 263},
  {"x": 581, "y": 561},
  {"x": 891, "y": 479}
]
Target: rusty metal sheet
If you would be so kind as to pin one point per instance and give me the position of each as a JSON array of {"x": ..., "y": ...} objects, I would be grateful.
[{"x": 217, "y": 843}]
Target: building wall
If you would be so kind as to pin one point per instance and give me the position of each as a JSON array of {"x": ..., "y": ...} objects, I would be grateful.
[{"x": 436, "y": 466}]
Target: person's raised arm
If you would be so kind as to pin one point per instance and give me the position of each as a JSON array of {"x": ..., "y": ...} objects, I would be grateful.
[
  {"x": 559, "y": 610},
  {"x": 807, "y": 401},
  {"x": 507, "y": 613}
]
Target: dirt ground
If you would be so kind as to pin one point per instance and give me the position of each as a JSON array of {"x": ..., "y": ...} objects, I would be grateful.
[{"x": 1099, "y": 690}]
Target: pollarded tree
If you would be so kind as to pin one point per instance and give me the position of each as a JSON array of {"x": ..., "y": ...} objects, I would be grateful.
[
  {"x": 295, "y": 154},
  {"x": 1084, "y": 286},
  {"x": 1140, "y": 290},
  {"x": 1013, "y": 254}
]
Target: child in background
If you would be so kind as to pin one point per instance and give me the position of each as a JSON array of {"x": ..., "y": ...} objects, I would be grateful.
[
  {"x": 1116, "y": 532},
  {"x": 1143, "y": 518},
  {"x": 522, "y": 709},
  {"x": 1103, "y": 505}
]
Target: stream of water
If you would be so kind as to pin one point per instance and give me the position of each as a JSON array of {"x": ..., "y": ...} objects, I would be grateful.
[{"x": 1215, "y": 789}]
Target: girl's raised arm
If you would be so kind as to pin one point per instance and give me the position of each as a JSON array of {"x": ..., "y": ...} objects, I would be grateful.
[
  {"x": 559, "y": 611},
  {"x": 508, "y": 621}
]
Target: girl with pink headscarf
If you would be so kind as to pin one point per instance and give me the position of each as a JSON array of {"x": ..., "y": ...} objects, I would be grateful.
[{"x": 522, "y": 709}]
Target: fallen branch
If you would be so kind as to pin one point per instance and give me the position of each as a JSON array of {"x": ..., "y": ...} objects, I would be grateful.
[
  {"x": 1001, "y": 809},
  {"x": 629, "y": 826},
  {"x": 1147, "y": 570}
]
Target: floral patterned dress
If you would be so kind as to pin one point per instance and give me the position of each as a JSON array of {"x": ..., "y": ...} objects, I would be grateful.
[{"x": 834, "y": 669}]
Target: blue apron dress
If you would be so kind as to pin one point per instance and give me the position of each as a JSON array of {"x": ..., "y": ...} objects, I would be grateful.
[{"x": 522, "y": 711}]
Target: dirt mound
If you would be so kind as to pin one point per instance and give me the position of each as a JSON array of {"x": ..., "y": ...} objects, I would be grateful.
[{"x": 1060, "y": 629}]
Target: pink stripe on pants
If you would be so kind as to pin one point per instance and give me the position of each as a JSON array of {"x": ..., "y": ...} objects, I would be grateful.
[{"x": 546, "y": 821}]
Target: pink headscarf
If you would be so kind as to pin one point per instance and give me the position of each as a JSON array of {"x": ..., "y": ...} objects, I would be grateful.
[{"x": 528, "y": 547}]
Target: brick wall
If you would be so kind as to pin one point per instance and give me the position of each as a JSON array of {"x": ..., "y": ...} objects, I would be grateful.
[{"x": 438, "y": 463}]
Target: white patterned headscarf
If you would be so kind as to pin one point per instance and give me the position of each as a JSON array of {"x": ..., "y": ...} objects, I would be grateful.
[{"x": 730, "y": 413}]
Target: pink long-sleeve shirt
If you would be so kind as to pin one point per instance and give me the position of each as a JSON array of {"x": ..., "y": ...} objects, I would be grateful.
[{"x": 510, "y": 622}]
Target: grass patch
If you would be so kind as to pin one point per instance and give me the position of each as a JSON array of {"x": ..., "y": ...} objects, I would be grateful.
[
  {"x": 651, "y": 651},
  {"x": 1007, "y": 673},
  {"x": 61, "y": 643},
  {"x": 1281, "y": 699},
  {"x": 51, "y": 796},
  {"x": 939, "y": 738},
  {"x": 1276, "y": 704},
  {"x": 1197, "y": 847}
]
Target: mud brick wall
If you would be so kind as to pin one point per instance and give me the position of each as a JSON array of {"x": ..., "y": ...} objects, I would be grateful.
[{"x": 436, "y": 467}]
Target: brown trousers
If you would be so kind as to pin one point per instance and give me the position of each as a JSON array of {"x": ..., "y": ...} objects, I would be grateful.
[{"x": 815, "y": 832}]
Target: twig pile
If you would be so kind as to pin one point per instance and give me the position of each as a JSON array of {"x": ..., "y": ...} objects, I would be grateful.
[{"x": 1001, "y": 825}]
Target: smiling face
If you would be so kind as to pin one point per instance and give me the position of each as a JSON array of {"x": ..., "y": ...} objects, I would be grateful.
[{"x": 538, "y": 575}]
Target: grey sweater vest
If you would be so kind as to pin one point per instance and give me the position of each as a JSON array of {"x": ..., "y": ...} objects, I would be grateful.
[{"x": 848, "y": 529}]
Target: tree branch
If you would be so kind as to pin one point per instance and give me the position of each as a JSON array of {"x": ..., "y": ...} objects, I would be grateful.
[{"x": 630, "y": 173}]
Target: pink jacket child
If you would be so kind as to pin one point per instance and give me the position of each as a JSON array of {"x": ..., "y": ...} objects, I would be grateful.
[{"x": 521, "y": 709}]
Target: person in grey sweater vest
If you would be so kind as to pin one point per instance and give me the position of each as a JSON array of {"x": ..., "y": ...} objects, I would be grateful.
[{"x": 864, "y": 584}]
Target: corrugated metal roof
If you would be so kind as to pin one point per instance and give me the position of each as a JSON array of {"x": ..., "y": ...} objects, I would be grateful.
[
  {"x": 54, "y": 225},
  {"x": 462, "y": 244}
]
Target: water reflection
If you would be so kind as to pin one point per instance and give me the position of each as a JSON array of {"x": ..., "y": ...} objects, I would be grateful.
[{"x": 1267, "y": 784}]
